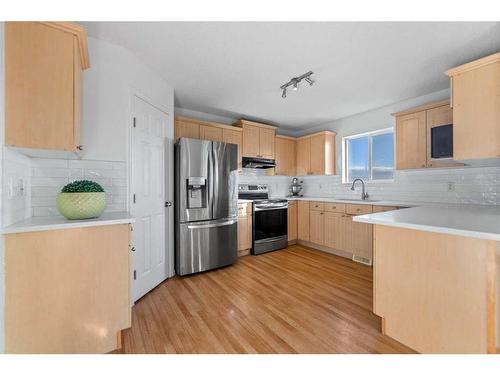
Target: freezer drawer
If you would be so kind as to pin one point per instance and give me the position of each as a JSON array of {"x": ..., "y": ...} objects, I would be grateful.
[{"x": 202, "y": 246}]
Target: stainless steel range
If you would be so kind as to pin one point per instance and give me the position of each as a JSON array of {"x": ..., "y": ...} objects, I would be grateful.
[{"x": 270, "y": 222}]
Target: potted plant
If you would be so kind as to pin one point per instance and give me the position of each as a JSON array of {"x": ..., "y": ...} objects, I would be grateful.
[{"x": 81, "y": 199}]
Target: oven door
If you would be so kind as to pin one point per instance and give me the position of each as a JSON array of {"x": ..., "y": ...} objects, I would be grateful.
[{"x": 270, "y": 230}]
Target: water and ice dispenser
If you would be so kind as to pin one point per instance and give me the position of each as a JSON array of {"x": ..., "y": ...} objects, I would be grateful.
[{"x": 197, "y": 195}]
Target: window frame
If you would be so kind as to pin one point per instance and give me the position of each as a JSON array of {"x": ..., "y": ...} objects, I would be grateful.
[{"x": 370, "y": 135}]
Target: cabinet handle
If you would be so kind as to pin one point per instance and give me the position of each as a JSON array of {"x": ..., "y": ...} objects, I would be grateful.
[
  {"x": 80, "y": 148},
  {"x": 132, "y": 248}
]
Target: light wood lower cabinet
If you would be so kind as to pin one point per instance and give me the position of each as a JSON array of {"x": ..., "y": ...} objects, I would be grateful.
[
  {"x": 337, "y": 230},
  {"x": 68, "y": 290},
  {"x": 303, "y": 220},
  {"x": 292, "y": 221},
  {"x": 316, "y": 229},
  {"x": 244, "y": 228}
]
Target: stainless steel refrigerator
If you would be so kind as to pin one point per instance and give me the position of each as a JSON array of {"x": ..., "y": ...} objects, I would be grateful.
[{"x": 206, "y": 205}]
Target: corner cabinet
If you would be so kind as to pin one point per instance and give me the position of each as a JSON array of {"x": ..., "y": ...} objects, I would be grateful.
[
  {"x": 258, "y": 139},
  {"x": 316, "y": 154},
  {"x": 43, "y": 84},
  {"x": 475, "y": 99}
]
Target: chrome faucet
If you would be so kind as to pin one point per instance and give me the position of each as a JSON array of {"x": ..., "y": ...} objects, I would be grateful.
[{"x": 364, "y": 194}]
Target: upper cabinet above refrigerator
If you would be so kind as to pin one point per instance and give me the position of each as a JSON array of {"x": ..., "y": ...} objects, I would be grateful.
[{"x": 43, "y": 86}]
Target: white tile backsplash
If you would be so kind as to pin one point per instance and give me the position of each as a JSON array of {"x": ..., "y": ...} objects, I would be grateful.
[
  {"x": 48, "y": 176},
  {"x": 467, "y": 185}
]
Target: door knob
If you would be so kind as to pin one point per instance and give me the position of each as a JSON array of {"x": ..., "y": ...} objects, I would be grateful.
[{"x": 168, "y": 204}]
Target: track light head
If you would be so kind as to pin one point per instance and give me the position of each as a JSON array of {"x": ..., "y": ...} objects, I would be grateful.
[
  {"x": 310, "y": 81},
  {"x": 283, "y": 95},
  {"x": 295, "y": 86}
]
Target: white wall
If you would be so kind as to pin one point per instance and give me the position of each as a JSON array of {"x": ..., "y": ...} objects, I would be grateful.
[{"x": 114, "y": 74}]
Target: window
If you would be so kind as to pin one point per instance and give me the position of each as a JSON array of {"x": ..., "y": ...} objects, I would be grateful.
[{"x": 369, "y": 156}]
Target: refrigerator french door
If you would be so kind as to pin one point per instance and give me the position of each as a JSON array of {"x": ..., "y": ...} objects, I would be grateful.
[{"x": 206, "y": 203}]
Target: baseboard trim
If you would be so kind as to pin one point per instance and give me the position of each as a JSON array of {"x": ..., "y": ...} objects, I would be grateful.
[{"x": 340, "y": 253}]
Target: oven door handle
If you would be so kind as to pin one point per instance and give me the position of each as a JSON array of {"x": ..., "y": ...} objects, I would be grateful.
[{"x": 257, "y": 208}]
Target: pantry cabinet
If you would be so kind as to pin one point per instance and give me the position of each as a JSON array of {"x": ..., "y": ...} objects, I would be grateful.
[
  {"x": 475, "y": 99},
  {"x": 285, "y": 156},
  {"x": 43, "y": 84},
  {"x": 292, "y": 221},
  {"x": 316, "y": 154},
  {"x": 258, "y": 139}
]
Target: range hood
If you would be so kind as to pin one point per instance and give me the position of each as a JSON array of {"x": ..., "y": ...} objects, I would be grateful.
[{"x": 258, "y": 163}]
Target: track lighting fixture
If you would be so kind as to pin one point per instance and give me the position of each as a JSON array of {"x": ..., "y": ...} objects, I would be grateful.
[{"x": 294, "y": 82}]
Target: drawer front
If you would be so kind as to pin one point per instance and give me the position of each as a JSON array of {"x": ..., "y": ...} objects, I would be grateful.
[
  {"x": 317, "y": 206},
  {"x": 384, "y": 208},
  {"x": 335, "y": 207},
  {"x": 359, "y": 209}
]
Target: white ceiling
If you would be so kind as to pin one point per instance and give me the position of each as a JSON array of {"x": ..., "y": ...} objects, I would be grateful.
[{"x": 236, "y": 69}]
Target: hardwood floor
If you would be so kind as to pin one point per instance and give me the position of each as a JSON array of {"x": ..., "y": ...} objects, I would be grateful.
[{"x": 296, "y": 300}]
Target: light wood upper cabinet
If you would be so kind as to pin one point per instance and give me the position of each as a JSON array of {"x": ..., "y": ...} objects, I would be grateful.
[
  {"x": 475, "y": 92},
  {"x": 266, "y": 143},
  {"x": 43, "y": 84},
  {"x": 186, "y": 129},
  {"x": 234, "y": 137},
  {"x": 303, "y": 220},
  {"x": 285, "y": 156},
  {"x": 411, "y": 141},
  {"x": 292, "y": 221},
  {"x": 258, "y": 139},
  {"x": 316, "y": 227},
  {"x": 303, "y": 156},
  {"x": 414, "y": 135},
  {"x": 435, "y": 117},
  {"x": 316, "y": 154},
  {"x": 211, "y": 133}
]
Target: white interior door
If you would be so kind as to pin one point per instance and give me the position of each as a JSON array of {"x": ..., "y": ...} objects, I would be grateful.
[{"x": 150, "y": 265}]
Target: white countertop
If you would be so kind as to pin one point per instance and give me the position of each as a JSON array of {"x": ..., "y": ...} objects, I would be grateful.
[
  {"x": 36, "y": 224},
  {"x": 353, "y": 201},
  {"x": 462, "y": 220}
]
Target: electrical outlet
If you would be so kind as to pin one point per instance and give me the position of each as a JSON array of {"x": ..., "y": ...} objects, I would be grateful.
[{"x": 451, "y": 186}]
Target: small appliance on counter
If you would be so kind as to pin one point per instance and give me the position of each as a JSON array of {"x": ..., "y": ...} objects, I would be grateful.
[
  {"x": 296, "y": 188},
  {"x": 270, "y": 223}
]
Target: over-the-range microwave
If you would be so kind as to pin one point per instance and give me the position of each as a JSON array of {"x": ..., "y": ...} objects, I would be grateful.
[{"x": 442, "y": 142}]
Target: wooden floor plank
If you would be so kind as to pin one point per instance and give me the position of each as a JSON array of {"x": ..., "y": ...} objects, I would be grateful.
[{"x": 296, "y": 300}]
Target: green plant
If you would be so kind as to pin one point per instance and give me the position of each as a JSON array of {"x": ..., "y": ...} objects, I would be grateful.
[{"x": 82, "y": 186}]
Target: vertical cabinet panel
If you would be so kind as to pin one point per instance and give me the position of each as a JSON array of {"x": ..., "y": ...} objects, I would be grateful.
[
  {"x": 292, "y": 221},
  {"x": 411, "y": 141},
  {"x": 303, "y": 220},
  {"x": 244, "y": 232},
  {"x": 316, "y": 227},
  {"x": 303, "y": 156},
  {"x": 361, "y": 243},
  {"x": 211, "y": 133},
  {"x": 40, "y": 87}
]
